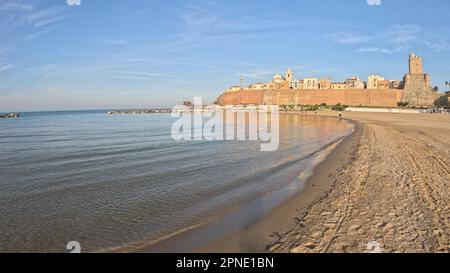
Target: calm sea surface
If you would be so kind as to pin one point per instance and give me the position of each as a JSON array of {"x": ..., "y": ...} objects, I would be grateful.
[{"x": 111, "y": 181}]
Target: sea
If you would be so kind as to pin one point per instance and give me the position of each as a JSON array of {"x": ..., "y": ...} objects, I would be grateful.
[{"x": 121, "y": 182}]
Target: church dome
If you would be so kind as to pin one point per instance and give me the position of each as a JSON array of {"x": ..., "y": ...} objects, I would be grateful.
[
  {"x": 234, "y": 89},
  {"x": 278, "y": 79}
]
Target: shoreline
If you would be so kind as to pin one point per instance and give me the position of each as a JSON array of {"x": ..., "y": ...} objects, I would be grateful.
[
  {"x": 263, "y": 235},
  {"x": 204, "y": 237},
  {"x": 383, "y": 188},
  {"x": 392, "y": 196}
]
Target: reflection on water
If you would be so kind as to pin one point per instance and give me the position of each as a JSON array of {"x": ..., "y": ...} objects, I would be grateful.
[{"x": 109, "y": 181}]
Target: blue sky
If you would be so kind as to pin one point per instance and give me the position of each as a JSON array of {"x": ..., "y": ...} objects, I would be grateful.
[{"x": 122, "y": 54}]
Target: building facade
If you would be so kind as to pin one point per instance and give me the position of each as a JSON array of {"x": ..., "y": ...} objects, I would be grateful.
[
  {"x": 311, "y": 83},
  {"x": 373, "y": 80},
  {"x": 395, "y": 84},
  {"x": 256, "y": 86},
  {"x": 325, "y": 83},
  {"x": 296, "y": 84},
  {"x": 269, "y": 85},
  {"x": 338, "y": 85},
  {"x": 383, "y": 84},
  {"x": 414, "y": 91},
  {"x": 355, "y": 83},
  {"x": 234, "y": 89}
]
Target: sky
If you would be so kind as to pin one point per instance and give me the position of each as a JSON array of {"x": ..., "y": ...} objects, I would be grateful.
[{"x": 107, "y": 54}]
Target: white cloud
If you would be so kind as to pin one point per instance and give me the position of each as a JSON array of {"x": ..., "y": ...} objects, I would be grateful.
[
  {"x": 25, "y": 22},
  {"x": 396, "y": 34},
  {"x": 129, "y": 78},
  {"x": 400, "y": 34},
  {"x": 208, "y": 21},
  {"x": 394, "y": 39},
  {"x": 439, "y": 40},
  {"x": 349, "y": 38},
  {"x": 34, "y": 35},
  {"x": 380, "y": 50},
  {"x": 27, "y": 19},
  {"x": 138, "y": 75},
  {"x": 163, "y": 62},
  {"x": 148, "y": 74},
  {"x": 438, "y": 46},
  {"x": 198, "y": 17},
  {"x": 46, "y": 16},
  {"x": 256, "y": 73},
  {"x": 368, "y": 49},
  {"x": 15, "y": 6}
]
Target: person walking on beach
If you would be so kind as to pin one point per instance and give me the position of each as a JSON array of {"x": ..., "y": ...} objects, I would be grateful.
[{"x": 340, "y": 115}]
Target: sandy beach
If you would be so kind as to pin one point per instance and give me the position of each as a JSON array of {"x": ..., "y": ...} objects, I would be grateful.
[{"x": 383, "y": 189}]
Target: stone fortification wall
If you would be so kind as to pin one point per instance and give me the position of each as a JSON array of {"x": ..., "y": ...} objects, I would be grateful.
[
  {"x": 417, "y": 92},
  {"x": 351, "y": 97}
]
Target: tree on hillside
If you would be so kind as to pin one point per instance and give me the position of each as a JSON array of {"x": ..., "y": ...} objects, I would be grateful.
[{"x": 442, "y": 102}]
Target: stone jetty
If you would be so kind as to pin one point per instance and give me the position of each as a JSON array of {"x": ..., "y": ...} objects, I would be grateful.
[
  {"x": 10, "y": 115},
  {"x": 139, "y": 112}
]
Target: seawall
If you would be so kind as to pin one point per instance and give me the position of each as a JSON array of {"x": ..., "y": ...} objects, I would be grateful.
[{"x": 351, "y": 97}]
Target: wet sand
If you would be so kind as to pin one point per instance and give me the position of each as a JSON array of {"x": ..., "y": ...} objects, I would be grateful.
[{"x": 384, "y": 188}]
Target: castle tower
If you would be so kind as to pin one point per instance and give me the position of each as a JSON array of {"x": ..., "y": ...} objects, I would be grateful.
[
  {"x": 417, "y": 91},
  {"x": 415, "y": 64},
  {"x": 289, "y": 77}
]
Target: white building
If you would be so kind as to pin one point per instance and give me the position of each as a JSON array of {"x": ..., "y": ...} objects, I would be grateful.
[
  {"x": 373, "y": 81},
  {"x": 257, "y": 86},
  {"x": 355, "y": 83},
  {"x": 278, "y": 79},
  {"x": 311, "y": 83},
  {"x": 269, "y": 85},
  {"x": 296, "y": 84}
]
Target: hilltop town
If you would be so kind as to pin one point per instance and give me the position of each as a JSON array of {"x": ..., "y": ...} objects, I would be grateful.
[
  {"x": 289, "y": 82},
  {"x": 413, "y": 91}
]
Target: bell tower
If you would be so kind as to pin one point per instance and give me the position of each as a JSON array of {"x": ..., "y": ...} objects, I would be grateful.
[{"x": 289, "y": 76}]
